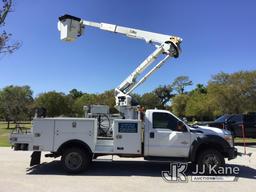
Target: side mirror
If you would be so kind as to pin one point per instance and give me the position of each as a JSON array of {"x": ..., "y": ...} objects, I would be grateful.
[
  {"x": 181, "y": 127},
  {"x": 229, "y": 122}
]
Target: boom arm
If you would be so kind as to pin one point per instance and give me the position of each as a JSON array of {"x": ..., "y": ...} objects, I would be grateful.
[{"x": 72, "y": 27}]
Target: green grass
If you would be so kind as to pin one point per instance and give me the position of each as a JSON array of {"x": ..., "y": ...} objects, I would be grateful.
[
  {"x": 4, "y": 137},
  {"x": 247, "y": 140},
  {"x": 4, "y": 132}
]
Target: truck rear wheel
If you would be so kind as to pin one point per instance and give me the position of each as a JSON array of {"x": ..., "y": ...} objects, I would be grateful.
[
  {"x": 209, "y": 158},
  {"x": 75, "y": 160}
]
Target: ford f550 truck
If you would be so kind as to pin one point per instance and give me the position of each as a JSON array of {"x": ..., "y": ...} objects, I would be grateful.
[
  {"x": 155, "y": 135},
  {"x": 161, "y": 136}
]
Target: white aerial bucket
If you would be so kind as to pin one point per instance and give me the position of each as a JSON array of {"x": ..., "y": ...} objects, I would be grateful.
[{"x": 70, "y": 27}]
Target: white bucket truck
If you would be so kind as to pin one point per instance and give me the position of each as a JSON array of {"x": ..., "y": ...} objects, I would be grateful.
[{"x": 153, "y": 134}]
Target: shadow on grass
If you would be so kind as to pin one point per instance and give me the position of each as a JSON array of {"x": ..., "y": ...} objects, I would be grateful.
[{"x": 125, "y": 168}]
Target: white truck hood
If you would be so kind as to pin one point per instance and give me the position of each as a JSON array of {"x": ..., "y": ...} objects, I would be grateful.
[{"x": 210, "y": 130}]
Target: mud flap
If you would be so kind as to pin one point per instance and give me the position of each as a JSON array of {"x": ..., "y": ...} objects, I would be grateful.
[{"x": 35, "y": 158}]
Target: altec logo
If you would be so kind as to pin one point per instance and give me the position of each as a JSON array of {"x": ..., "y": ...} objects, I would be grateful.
[{"x": 177, "y": 174}]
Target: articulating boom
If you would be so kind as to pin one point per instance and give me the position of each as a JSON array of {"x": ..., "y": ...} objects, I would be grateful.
[{"x": 72, "y": 27}]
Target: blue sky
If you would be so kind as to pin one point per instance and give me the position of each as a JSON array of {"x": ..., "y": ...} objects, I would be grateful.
[{"x": 217, "y": 36}]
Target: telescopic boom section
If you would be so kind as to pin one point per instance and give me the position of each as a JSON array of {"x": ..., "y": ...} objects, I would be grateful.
[{"x": 71, "y": 27}]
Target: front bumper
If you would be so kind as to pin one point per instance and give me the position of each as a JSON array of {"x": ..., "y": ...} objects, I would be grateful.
[{"x": 231, "y": 153}]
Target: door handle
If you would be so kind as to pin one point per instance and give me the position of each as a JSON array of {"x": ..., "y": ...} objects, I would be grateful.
[
  {"x": 151, "y": 135},
  {"x": 184, "y": 142},
  {"x": 118, "y": 136}
]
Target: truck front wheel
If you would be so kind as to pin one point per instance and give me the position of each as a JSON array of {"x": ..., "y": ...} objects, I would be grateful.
[
  {"x": 75, "y": 160},
  {"x": 210, "y": 158}
]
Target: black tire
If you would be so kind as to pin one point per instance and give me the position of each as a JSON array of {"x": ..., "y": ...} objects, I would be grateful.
[
  {"x": 210, "y": 157},
  {"x": 75, "y": 160}
]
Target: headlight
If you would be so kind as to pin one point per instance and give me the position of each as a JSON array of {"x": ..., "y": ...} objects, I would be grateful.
[{"x": 229, "y": 139}]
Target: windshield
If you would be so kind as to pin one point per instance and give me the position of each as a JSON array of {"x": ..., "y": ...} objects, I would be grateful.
[{"x": 222, "y": 118}]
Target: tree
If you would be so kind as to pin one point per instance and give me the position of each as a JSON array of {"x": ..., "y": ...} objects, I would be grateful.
[
  {"x": 74, "y": 93},
  {"x": 107, "y": 98},
  {"x": 179, "y": 103},
  {"x": 233, "y": 93},
  {"x": 6, "y": 7},
  {"x": 2, "y": 116},
  {"x": 164, "y": 93},
  {"x": 85, "y": 100},
  {"x": 199, "y": 106},
  {"x": 200, "y": 88},
  {"x": 56, "y": 104},
  {"x": 150, "y": 101},
  {"x": 136, "y": 99},
  {"x": 5, "y": 45},
  {"x": 16, "y": 102},
  {"x": 180, "y": 83}
]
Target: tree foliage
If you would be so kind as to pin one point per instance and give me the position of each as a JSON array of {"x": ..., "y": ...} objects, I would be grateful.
[
  {"x": 85, "y": 100},
  {"x": 200, "y": 88},
  {"x": 233, "y": 93},
  {"x": 6, "y": 46},
  {"x": 107, "y": 98},
  {"x": 179, "y": 104},
  {"x": 74, "y": 93},
  {"x": 55, "y": 103},
  {"x": 198, "y": 106},
  {"x": 180, "y": 83},
  {"x": 150, "y": 101},
  {"x": 225, "y": 93},
  {"x": 16, "y": 103},
  {"x": 164, "y": 93}
]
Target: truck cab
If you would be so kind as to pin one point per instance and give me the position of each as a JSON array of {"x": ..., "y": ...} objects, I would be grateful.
[{"x": 166, "y": 135}]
